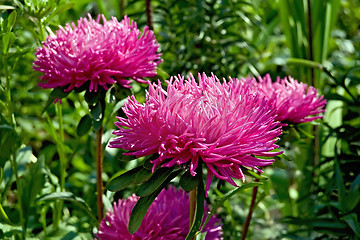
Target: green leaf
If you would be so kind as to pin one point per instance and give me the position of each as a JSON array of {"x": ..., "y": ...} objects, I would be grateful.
[
  {"x": 59, "y": 93},
  {"x": 254, "y": 174},
  {"x": 6, "y": 7},
  {"x": 317, "y": 223},
  {"x": 11, "y": 20},
  {"x": 304, "y": 62},
  {"x": 122, "y": 180},
  {"x": 199, "y": 211},
  {"x": 154, "y": 182},
  {"x": 84, "y": 125},
  {"x": 4, "y": 216},
  {"x": 189, "y": 182},
  {"x": 32, "y": 182},
  {"x": 7, "y": 39},
  {"x": 97, "y": 115},
  {"x": 143, "y": 175},
  {"x": 9, "y": 142},
  {"x": 279, "y": 163},
  {"x": 68, "y": 196},
  {"x": 91, "y": 97},
  {"x": 340, "y": 185},
  {"x": 140, "y": 209},
  {"x": 219, "y": 203},
  {"x": 352, "y": 221}
]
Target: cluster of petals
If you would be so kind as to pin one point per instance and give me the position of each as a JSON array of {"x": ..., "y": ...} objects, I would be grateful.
[
  {"x": 166, "y": 219},
  {"x": 99, "y": 54},
  {"x": 295, "y": 102},
  {"x": 221, "y": 123}
]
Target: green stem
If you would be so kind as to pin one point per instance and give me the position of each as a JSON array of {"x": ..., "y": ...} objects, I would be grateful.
[
  {"x": 99, "y": 165},
  {"x": 18, "y": 184},
  {"x": 13, "y": 162},
  {"x": 60, "y": 147},
  {"x": 192, "y": 207},
  {"x": 42, "y": 31},
  {"x": 62, "y": 163},
  {"x": 251, "y": 209}
]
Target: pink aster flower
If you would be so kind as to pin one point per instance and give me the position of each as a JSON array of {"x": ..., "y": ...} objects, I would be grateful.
[
  {"x": 166, "y": 219},
  {"x": 294, "y": 101},
  {"x": 97, "y": 53},
  {"x": 222, "y": 124}
]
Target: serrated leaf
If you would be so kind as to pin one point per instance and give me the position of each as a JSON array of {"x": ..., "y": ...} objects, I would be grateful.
[
  {"x": 189, "y": 182},
  {"x": 84, "y": 125},
  {"x": 154, "y": 182},
  {"x": 122, "y": 180}
]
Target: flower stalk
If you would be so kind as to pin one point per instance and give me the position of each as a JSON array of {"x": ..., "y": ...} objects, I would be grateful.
[
  {"x": 251, "y": 209},
  {"x": 99, "y": 166},
  {"x": 192, "y": 207}
]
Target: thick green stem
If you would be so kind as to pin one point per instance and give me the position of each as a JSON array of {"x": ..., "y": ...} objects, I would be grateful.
[
  {"x": 99, "y": 165},
  {"x": 251, "y": 209},
  {"x": 192, "y": 208}
]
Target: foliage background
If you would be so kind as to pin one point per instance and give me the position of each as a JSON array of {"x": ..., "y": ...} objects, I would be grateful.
[{"x": 312, "y": 193}]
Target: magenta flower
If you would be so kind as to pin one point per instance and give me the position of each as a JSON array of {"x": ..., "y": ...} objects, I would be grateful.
[
  {"x": 294, "y": 101},
  {"x": 166, "y": 219},
  {"x": 98, "y": 54},
  {"x": 222, "y": 124}
]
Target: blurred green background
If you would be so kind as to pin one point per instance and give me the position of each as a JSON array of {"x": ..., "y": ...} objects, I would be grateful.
[{"x": 311, "y": 193}]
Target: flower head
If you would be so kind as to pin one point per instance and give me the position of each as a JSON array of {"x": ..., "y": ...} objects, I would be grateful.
[
  {"x": 96, "y": 53},
  {"x": 167, "y": 219},
  {"x": 294, "y": 101},
  {"x": 222, "y": 124}
]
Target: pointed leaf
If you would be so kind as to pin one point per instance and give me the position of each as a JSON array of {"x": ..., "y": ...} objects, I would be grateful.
[
  {"x": 154, "y": 182},
  {"x": 189, "y": 182},
  {"x": 59, "y": 93},
  {"x": 68, "y": 196},
  {"x": 352, "y": 220},
  {"x": 227, "y": 196},
  {"x": 84, "y": 125},
  {"x": 279, "y": 164},
  {"x": 9, "y": 142},
  {"x": 7, "y": 39},
  {"x": 141, "y": 207},
  {"x": 11, "y": 20},
  {"x": 143, "y": 175},
  {"x": 122, "y": 180}
]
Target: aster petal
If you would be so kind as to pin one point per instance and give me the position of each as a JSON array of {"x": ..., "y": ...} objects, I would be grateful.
[{"x": 100, "y": 51}]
